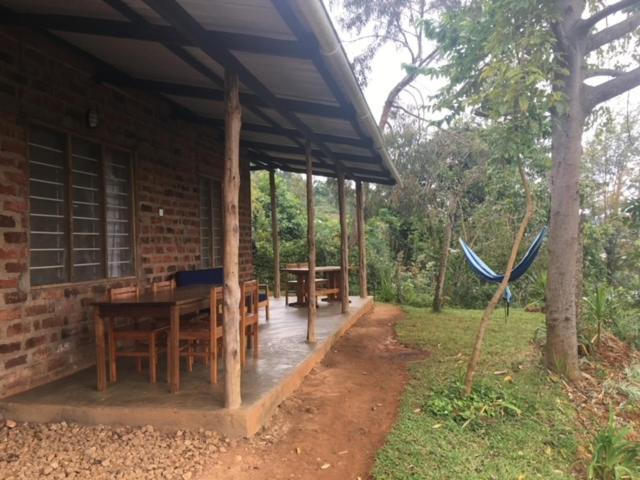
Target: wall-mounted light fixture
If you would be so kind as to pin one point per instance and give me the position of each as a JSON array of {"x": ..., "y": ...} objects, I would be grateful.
[{"x": 92, "y": 118}]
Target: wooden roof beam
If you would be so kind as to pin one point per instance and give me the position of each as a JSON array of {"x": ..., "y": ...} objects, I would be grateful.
[
  {"x": 348, "y": 157},
  {"x": 173, "y": 13},
  {"x": 154, "y": 33},
  {"x": 296, "y": 27},
  {"x": 336, "y": 139},
  {"x": 125, "y": 10},
  {"x": 206, "y": 93}
]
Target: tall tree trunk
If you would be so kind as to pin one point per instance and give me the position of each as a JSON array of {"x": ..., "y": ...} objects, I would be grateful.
[
  {"x": 579, "y": 274},
  {"x": 561, "y": 349},
  {"x": 442, "y": 269},
  {"x": 488, "y": 312}
]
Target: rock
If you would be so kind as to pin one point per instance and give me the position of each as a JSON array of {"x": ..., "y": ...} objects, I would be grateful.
[{"x": 10, "y": 423}]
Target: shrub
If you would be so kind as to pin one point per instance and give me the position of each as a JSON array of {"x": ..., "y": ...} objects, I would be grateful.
[
  {"x": 485, "y": 402},
  {"x": 614, "y": 457}
]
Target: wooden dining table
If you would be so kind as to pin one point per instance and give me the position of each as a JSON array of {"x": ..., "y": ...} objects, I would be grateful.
[
  {"x": 302, "y": 273},
  {"x": 170, "y": 304}
]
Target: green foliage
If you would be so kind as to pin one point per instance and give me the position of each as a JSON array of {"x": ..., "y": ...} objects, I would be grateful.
[
  {"x": 486, "y": 402},
  {"x": 428, "y": 443},
  {"x": 499, "y": 63},
  {"x": 614, "y": 456}
]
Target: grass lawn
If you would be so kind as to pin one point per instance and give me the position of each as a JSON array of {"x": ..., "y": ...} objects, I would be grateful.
[{"x": 521, "y": 425}]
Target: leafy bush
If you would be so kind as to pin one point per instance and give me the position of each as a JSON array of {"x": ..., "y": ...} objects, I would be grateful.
[
  {"x": 484, "y": 402},
  {"x": 614, "y": 457}
]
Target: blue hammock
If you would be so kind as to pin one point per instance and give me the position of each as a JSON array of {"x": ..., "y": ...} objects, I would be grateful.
[{"x": 485, "y": 273}]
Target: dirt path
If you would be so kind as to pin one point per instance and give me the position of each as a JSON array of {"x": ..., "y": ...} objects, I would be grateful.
[{"x": 332, "y": 426}]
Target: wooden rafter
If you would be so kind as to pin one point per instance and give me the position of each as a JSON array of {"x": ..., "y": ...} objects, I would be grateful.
[
  {"x": 173, "y": 13},
  {"x": 294, "y": 24},
  {"x": 125, "y": 10},
  {"x": 207, "y": 93},
  {"x": 153, "y": 33}
]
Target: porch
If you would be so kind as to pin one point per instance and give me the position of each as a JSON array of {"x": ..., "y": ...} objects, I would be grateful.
[{"x": 285, "y": 358}]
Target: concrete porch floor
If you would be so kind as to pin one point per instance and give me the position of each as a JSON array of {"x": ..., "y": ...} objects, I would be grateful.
[{"x": 285, "y": 358}]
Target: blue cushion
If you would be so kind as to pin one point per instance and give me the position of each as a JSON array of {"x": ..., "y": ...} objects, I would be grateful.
[
  {"x": 207, "y": 276},
  {"x": 262, "y": 297}
]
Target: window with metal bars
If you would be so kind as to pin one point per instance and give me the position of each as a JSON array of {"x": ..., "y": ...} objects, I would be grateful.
[
  {"x": 80, "y": 209},
  {"x": 211, "y": 222}
]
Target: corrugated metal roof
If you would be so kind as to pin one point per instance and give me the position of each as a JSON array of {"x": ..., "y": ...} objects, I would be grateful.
[{"x": 292, "y": 87}]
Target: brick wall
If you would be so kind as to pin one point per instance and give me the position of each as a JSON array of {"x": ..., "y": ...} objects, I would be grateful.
[{"x": 45, "y": 332}]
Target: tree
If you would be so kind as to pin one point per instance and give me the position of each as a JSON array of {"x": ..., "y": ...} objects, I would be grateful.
[
  {"x": 394, "y": 22},
  {"x": 536, "y": 56},
  {"x": 610, "y": 168}
]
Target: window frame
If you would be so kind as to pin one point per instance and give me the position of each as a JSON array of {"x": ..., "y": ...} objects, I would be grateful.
[
  {"x": 210, "y": 180},
  {"x": 68, "y": 187}
]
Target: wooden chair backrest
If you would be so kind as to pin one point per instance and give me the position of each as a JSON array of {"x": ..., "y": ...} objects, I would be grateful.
[
  {"x": 123, "y": 292},
  {"x": 166, "y": 285},
  {"x": 215, "y": 306},
  {"x": 297, "y": 265},
  {"x": 249, "y": 298}
]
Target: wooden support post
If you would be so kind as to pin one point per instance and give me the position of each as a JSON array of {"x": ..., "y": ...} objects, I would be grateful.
[
  {"x": 362, "y": 243},
  {"x": 274, "y": 235},
  {"x": 231, "y": 303},
  {"x": 311, "y": 240},
  {"x": 344, "y": 247}
]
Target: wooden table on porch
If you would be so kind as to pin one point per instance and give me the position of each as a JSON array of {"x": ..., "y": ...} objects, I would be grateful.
[
  {"x": 169, "y": 304},
  {"x": 302, "y": 273}
]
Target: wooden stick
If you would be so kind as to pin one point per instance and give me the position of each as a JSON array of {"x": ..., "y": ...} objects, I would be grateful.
[
  {"x": 231, "y": 302},
  {"x": 274, "y": 235},
  {"x": 488, "y": 312},
  {"x": 344, "y": 247},
  {"x": 311, "y": 241},
  {"x": 100, "y": 349},
  {"x": 174, "y": 350},
  {"x": 362, "y": 243}
]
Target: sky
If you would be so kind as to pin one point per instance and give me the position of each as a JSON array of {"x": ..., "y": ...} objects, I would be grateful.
[{"x": 387, "y": 71}]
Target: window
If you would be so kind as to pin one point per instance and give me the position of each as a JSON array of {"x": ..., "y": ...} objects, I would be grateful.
[
  {"x": 211, "y": 222},
  {"x": 80, "y": 209}
]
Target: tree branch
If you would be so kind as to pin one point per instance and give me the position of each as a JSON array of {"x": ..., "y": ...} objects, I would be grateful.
[
  {"x": 612, "y": 88},
  {"x": 614, "y": 32},
  {"x": 603, "y": 72},
  {"x": 409, "y": 112},
  {"x": 588, "y": 23}
]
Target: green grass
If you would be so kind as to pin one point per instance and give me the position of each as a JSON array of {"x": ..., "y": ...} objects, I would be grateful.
[{"x": 425, "y": 444}]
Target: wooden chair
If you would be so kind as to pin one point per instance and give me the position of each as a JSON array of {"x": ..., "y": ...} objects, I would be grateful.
[
  {"x": 163, "y": 286},
  {"x": 263, "y": 298},
  {"x": 293, "y": 284},
  {"x": 197, "y": 334},
  {"x": 249, "y": 319},
  {"x": 139, "y": 335}
]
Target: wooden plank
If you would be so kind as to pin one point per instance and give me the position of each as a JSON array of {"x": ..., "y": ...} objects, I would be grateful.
[
  {"x": 362, "y": 243},
  {"x": 289, "y": 17},
  {"x": 174, "y": 350},
  {"x": 344, "y": 247},
  {"x": 213, "y": 94},
  {"x": 349, "y": 157},
  {"x": 311, "y": 242},
  {"x": 101, "y": 367},
  {"x": 274, "y": 235},
  {"x": 153, "y": 33},
  {"x": 231, "y": 302},
  {"x": 173, "y": 13}
]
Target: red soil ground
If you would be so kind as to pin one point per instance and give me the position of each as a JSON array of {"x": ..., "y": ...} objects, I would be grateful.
[{"x": 332, "y": 426}]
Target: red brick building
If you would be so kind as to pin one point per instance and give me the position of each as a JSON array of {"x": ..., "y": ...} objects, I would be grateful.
[
  {"x": 45, "y": 330},
  {"x": 112, "y": 151}
]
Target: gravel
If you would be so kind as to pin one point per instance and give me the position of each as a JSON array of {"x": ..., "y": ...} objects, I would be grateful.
[{"x": 63, "y": 450}]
